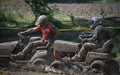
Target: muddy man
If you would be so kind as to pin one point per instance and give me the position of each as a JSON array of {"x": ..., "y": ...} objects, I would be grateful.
[
  {"x": 100, "y": 36},
  {"x": 49, "y": 35}
]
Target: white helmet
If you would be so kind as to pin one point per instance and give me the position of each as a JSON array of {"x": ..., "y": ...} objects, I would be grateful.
[
  {"x": 96, "y": 20},
  {"x": 41, "y": 19}
]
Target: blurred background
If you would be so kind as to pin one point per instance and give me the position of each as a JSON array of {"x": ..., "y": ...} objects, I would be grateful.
[{"x": 66, "y": 15}]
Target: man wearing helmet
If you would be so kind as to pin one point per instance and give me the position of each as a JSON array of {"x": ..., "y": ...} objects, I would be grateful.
[
  {"x": 99, "y": 37},
  {"x": 49, "y": 34}
]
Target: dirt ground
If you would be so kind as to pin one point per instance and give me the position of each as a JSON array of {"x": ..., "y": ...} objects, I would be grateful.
[
  {"x": 69, "y": 36},
  {"x": 27, "y": 73}
]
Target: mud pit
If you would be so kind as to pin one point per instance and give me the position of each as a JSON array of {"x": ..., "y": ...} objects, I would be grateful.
[
  {"x": 20, "y": 69},
  {"x": 25, "y": 70}
]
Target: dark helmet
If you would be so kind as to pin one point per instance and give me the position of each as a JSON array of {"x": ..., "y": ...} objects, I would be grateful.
[{"x": 42, "y": 20}]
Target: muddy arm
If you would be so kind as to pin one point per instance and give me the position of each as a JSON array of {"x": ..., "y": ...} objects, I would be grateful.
[
  {"x": 27, "y": 31},
  {"x": 94, "y": 37}
]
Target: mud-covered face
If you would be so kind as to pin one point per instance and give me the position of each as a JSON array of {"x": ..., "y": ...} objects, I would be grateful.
[
  {"x": 91, "y": 22},
  {"x": 43, "y": 24},
  {"x": 94, "y": 23},
  {"x": 93, "y": 26}
]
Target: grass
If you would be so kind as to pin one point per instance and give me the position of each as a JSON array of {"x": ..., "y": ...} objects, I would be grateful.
[
  {"x": 12, "y": 24},
  {"x": 7, "y": 32},
  {"x": 118, "y": 57},
  {"x": 67, "y": 22},
  {"x": 63, "y": 17},
  {"x": 106, "y": 1},
  {"x": 12, "y": 18}
]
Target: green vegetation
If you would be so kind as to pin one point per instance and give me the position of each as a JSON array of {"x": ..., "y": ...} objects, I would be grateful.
[
  {"x": 12, "y": 21},
  {"x": 85, "y": 1},
  {"x": 118, "y": 57},
  {"x": 105, "y": 1},
  {"x": 7, "y": 32},
  {"x": 11, "y": 17},
  {"x": 40, "y": 7}
]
